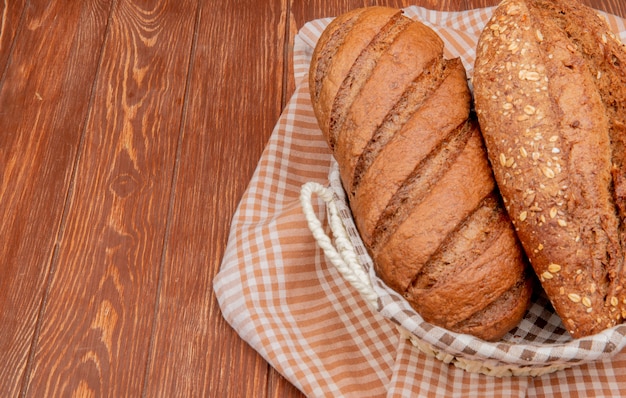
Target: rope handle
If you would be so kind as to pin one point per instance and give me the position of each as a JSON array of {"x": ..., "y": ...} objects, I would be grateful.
[{"x": 343, "y": 256}]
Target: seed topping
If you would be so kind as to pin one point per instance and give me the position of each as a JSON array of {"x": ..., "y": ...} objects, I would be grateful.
[
  {"x": 529, "y": 110},
  {"x": 554, "y": 268},
  {"x": 523, "y": 215},
  {"x": 574, "y": 297},
  {"x": 548, "y": 172}
]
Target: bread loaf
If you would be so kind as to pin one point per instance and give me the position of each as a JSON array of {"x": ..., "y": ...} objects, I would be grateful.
[
  {"x": 397, "y": 116},
  {"x": 550, "y": 94}
]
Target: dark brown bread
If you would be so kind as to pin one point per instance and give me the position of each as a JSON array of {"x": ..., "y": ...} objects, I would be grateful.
[
  {"x": 550, "y": 92},
  {"x": 396, "y": 115}
]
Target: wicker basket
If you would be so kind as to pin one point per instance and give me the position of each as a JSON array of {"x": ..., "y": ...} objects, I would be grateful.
[{"x": 538, "y": 345}]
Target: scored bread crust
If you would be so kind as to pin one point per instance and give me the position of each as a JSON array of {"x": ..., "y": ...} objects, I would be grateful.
[
  {"x": 412, "y": 161},
  {"x": 550, "y": 89}
]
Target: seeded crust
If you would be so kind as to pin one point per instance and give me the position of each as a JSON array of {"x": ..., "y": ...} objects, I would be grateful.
[
  {"x": 397, "y": 116},
  {"x": 550, "y": 89}
]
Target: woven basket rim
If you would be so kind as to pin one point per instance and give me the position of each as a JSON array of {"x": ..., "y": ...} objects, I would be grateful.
[{"x": 509, "y": 353}]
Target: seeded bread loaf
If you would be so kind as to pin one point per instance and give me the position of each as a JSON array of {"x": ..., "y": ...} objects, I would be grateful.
[
  {"x": 412, "y": 161},
  {"x": 550, "y": 94}
]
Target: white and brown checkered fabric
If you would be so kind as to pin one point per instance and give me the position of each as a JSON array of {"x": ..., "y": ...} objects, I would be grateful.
[{"x": 280, "y": 294}]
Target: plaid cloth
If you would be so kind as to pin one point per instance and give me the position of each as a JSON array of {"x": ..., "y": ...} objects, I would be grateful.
[{"x": 278, "y": 291}]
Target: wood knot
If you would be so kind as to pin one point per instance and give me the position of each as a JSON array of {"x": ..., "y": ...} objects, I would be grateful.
[{"x": 124, "y": 184}]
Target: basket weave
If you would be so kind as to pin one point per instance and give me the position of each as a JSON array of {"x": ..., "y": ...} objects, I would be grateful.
[{"x": 538, "y": 345}]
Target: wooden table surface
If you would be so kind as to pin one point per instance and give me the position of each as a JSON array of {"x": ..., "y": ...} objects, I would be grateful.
[{"x": 128, "y": 132}]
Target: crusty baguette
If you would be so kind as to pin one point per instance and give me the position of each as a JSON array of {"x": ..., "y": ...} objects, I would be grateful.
[
  {"x": 412, "y": 161},
  {"x": 550, "y": 93}
]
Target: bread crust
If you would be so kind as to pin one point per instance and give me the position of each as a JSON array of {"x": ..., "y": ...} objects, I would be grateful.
[
  {"x": 553, "y": 139},
  {"x": 397, "y": 116}
]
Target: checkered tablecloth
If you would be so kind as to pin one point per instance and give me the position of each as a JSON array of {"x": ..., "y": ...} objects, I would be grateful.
[{"x": 278, "y": 291}]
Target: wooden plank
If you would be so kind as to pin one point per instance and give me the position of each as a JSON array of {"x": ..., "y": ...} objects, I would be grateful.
[
  {"x": 617, "y": 7},
  {"x": 304, "y": 11},
  {"x": 97, "y": 321},
  {"x": 43, "y": 105},
  {"x": 234, "y": 102},
  {"x": 11, "y": 13}
]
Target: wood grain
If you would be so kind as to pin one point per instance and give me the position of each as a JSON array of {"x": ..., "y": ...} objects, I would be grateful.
[
  {"x": 220, "y": 149},
  {"x": 98, "y": 318},
  {"x": 41, "y": 127},
  {"x": 11, "y": 16},
  {"x": 129, "y": 130}
]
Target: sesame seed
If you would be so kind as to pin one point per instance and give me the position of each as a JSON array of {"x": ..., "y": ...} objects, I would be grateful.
[
  {"x": 553, "y": 212},
  {"x": 539, "y": 35},
  {"x": 554, "y": 268},
  {"x": 562, "y": 222},
  {"x": 523, "y": 215},
  {"x": 532, "y": 76},
  {"x": 554, "y": 138},
  {"x": 586, "y": 302},
  {"x": 556, "y": 150},
  {"x": 614, "y": 301},
  {"x": 507, "y": 106},
  {"x": 503, "y": 160},
  {"x": 574, "y": 297},
  {"x": 604, "y": 40},
  {"x": 529, "y": 110},
  {"x": 494, "y": 26},
  {"x": 548, "y": 172},
  {"x": 523, "y": 152},
  {"x": 513, "y": 10},
  {"x": 547, "y": 275},
  {"x": 528, "y": 200}
]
